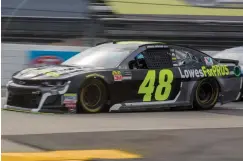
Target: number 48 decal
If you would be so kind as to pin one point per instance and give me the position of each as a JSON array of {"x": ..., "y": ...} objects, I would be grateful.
[{"x": 147, "y": 87}]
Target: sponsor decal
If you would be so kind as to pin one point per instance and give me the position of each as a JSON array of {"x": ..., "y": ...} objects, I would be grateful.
[
  {"x": 157, "y": 46},
  {"x": 36, "y": 92},
  {"x": 70, "y": 100},
  {"x": 50, "y": 71},
  {"x": 123, "y": 67},
  {"x": 95, "y": 75},
  {"x": 120, "y": 76},
  {"x": 173, "y": 58},
  {"x": 43, "y": 71},
  {"x": 208, "y": 61},
  {"x": 214, "y": 71},
  {"x": 126, "y": 75},
  {"x": 192, "y": 73},
  {"x": 117, "y": 75}
]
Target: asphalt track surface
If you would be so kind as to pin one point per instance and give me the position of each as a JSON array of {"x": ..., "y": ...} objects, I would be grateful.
[{"x": 215, "y": 135}]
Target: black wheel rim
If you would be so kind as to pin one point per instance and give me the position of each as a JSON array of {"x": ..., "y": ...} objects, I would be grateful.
[
  {"x": 91, "y": 96},
  {"x": 205, "y": 93}
]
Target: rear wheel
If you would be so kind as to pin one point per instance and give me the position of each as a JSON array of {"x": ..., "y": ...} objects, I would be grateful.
[
  {"x": 93, "y": 97},
  {"x": 206, "y": 94}
]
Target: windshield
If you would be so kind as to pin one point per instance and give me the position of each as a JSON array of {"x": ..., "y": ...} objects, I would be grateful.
[{"x": 104, "y": 56}]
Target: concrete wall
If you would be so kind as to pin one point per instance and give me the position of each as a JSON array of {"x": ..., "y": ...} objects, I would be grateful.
[{"x": 15, "y": 57}]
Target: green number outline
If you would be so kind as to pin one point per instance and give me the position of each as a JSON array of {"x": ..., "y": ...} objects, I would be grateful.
[{"x": 166, "y": 78}]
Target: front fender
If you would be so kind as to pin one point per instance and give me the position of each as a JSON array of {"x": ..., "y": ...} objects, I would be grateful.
[{"x": 78, "y": 80}]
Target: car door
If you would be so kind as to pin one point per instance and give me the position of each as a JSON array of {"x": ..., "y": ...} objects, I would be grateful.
[{"x": 154, "y": 78}]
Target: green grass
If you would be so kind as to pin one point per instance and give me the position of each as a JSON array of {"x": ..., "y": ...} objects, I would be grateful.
[{"x": 168, "y": 7}]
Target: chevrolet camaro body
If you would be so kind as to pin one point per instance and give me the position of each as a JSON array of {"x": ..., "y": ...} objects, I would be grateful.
[{"x": 137, "y": 76}]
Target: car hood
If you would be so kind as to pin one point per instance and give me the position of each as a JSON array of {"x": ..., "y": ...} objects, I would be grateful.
[{"x": 50, "y": 72}]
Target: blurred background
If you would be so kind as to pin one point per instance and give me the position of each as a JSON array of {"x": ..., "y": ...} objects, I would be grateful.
[
  {"x": 55, "y": 30},
  {"x": 43, "y": 32}
]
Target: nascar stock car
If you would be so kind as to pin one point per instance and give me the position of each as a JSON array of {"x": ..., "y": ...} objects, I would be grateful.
[{"x": 127, "y": 76}]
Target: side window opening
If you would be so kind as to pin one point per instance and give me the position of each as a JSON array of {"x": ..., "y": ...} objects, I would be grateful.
[
  {"x": 138, "y": 62},
  {"x": 183, "y": 57},
  {"x": 154, "y": 58}
]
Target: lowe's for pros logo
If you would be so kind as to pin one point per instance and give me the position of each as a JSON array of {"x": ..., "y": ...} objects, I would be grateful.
[{"x": 215, "y": 70}]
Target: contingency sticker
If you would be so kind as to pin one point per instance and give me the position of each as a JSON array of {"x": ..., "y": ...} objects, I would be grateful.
[
  {"x": 117, "y": 75},
  {"x": 120, "y": 76},
  {"x": 208, "y": 61},
  {"x": 70, "y": 100},
  {"x": 126, "y": 75}
]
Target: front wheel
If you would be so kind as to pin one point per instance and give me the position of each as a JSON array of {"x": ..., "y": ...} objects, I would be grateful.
[
  {"x": 92, "y": 97},
  {"x": 206, "y": 94}
]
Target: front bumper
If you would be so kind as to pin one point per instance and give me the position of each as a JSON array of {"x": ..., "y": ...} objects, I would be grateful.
[{"x": 35, "y": 98}]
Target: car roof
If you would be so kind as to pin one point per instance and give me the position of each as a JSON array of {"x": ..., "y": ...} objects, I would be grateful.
[
  {"x": 128, "y": 43},
  {"x": 137, "y": 44}
]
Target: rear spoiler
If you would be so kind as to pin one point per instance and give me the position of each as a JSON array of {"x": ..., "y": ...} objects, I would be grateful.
[{"x": 227, "y": 61}]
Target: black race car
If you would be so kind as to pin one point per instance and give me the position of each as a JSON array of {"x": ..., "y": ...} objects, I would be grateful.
[{"x": 124, "y": 76}]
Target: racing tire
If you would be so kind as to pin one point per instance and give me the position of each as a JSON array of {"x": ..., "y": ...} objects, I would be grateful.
[
  {"x": 92, "y": 97},
  {"x": 206, "y": 94}
]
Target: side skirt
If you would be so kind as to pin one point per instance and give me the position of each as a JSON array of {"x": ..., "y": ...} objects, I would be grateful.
[{"x": 143, "y": 106}]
